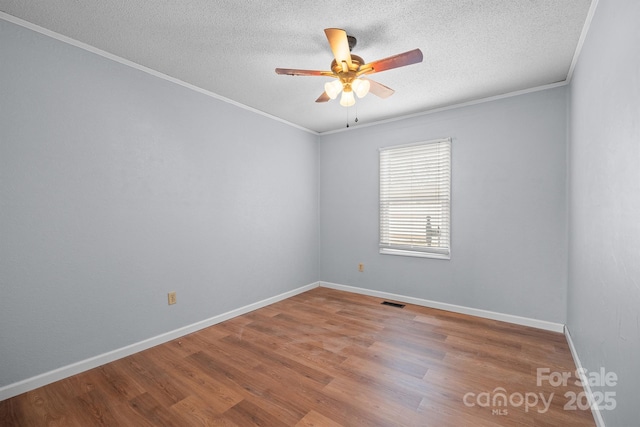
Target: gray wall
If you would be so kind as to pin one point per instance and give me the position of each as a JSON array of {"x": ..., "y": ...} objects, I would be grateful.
[
  {"x": 604, "y": 250},
  {"x": 509, "y": 220},
  {"x": 117, "y": 187}
]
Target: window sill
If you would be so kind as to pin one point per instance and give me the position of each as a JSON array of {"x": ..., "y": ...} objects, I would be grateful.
[{"x": 417, "y": 254}]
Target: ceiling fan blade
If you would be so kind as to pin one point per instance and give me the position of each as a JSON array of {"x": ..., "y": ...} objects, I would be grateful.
[
  {"x": 323, "y": 98},
  {"x": 295, "y": 72},
  {"x": 339, "y": 45},
  {"x": 379, "y": 89},
  {"x": 400, "y": 60}
]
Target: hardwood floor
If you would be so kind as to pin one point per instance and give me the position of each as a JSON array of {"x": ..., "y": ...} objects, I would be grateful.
[{"x": 323, "y": 358}]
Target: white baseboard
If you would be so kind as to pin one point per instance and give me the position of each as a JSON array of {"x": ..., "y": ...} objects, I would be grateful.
[
  {"x": 595, "y": 410},
  {"x": 28, "y": 384},
  {"x": 518, "y": 320}
]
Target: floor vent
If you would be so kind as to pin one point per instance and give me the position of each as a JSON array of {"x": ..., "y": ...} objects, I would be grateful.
[{"x": 393, "y": 304}]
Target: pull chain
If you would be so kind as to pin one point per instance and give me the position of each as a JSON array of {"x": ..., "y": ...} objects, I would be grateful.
[{"x": 356, "y": 120}]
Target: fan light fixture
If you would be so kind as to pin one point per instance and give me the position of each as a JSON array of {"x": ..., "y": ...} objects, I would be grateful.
[
  {"x": 361, "y": 87},
  {"x": 333, "y": 88},
  {"x": 358, "y": 86},
  {"x": 347, "y": 99}
]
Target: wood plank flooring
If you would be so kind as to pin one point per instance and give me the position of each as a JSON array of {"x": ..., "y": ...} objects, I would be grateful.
[{"x": 323, "y": 358}]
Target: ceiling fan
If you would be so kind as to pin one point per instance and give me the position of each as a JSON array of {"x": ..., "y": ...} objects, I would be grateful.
[{"x": 347, "y": 69}]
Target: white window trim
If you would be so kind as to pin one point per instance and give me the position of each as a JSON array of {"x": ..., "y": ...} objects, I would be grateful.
[
  {"x": 417, "y": 254},
  {"x": 435, "y": 253}
]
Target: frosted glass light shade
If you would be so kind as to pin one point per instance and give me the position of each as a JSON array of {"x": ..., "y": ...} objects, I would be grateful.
[
  {"x": 333, "y": 88},
  {"x": 361, "y": 87},
  {"x": 347, "y": 99}
]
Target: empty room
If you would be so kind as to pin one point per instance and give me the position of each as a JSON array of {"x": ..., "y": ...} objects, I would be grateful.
[{"x": 419, "y": 213}]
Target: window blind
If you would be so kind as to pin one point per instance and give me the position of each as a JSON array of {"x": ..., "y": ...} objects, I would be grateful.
[{"x": 415, "y": 199}]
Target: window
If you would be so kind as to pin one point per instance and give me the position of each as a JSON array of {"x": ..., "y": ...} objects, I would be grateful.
[{"x": 415, "y": 199}]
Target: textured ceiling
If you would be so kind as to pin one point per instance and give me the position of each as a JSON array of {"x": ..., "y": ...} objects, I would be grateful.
[{"x": 473, "y": 49}]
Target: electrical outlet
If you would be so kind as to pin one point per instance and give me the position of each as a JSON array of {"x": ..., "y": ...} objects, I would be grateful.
[
  {"x": 360, "y": 267},
  {"x": 172, "y": 298}
]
